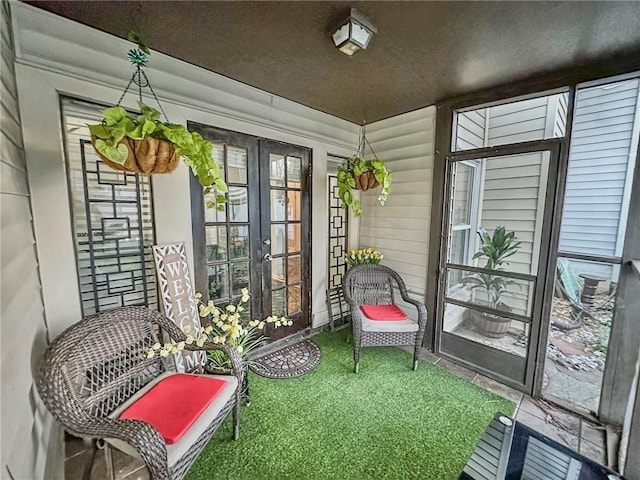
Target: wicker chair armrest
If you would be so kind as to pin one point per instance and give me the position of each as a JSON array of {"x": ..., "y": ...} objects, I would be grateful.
[
  {"x": 141, "y": 436},
  {"x": 237, "y": 363},
  {"x": 356, "y": 314},
  {"x": 422, "y": 310}
]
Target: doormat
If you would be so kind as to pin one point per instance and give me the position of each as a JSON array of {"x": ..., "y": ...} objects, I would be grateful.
[{"x": 288, "y": 362}]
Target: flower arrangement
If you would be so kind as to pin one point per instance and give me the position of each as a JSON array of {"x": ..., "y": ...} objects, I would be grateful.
[
  {"x": 359, "y": 174},
  {"x": 225, "y": 326},
  {"x": 364, "y": 255}
]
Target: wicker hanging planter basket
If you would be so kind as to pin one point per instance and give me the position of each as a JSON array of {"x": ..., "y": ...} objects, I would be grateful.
[
  {"x": 147, "y": 156},
  {"x": 366, "y": 181}
]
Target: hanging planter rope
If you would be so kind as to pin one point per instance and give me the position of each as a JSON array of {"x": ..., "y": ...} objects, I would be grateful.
[
  {"x": 144, "y": 144},
  {"x": 365, "y": 180}
]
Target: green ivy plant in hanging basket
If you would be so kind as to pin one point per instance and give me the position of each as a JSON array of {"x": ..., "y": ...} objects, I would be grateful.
[
  {"x": 360, "y": 174},
  {"x": 144, "y": 144}
]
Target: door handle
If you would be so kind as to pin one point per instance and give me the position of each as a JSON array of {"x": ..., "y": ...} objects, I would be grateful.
[{"x": 267, "y": 257}]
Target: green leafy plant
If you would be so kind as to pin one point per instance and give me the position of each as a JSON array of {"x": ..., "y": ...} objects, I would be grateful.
[
  {"x": 348, "y": 175},
  {"x": 196, "y": 152},
  {"x": 496, "y": 249}
]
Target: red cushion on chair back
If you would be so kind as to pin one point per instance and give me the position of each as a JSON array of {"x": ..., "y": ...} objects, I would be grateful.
[
  {"x": 175, "y": 403},
  {"x": 383, "y": 312}
]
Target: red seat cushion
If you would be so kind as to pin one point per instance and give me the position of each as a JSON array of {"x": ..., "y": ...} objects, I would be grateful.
[
  {"x": 383, "y": 312},
  {"x": 175, "y": 403}
]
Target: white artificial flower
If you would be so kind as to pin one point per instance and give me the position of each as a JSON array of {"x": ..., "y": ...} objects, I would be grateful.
[
  {"x": 240, "y": 308},
  {"x": 200, "y": 342},
  {"x": 174, "y": 349},
  {"x": 189, "y": 340},
  {"x": 277, "y": 324},
  {"x": 156, "y": 346},
  {"x": 186, "y": 329},
  {"x": 150, "y": 353},
  {"x": 225, "y": 327},
  {"x": 261, "y": 325},
  {"x": 231, "y": 308},
  {"x": 167, "y": 346},
  {"x": 240, "y": 348},
  {"x": 180, "y": 345},
  {"x": 208, "y": 329},
  {"x": 164, "y": 353}
]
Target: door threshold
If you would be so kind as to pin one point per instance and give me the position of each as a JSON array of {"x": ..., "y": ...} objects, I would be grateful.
[{"x": 283, "y": 342}]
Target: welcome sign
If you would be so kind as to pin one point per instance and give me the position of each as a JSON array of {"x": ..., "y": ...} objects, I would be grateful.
[{"x": 177, "y": 297}]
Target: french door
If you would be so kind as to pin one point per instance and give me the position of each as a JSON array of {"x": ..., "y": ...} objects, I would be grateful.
[{"x": 261, "y": 240}]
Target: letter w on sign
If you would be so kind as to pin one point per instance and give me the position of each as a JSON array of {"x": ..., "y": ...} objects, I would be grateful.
[{"x": 177, "y": 297}]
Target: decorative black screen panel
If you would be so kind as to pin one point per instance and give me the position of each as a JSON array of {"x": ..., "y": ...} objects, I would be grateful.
[
  {"x": 112, "y": 221},
  {"x": 338, "y": 236}
]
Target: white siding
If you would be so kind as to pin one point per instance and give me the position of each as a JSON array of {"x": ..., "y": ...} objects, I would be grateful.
[
  {"x": 400, "y": 228},
  {"x": 597, "y": 177},
  {"x": 25, "y": 426}
]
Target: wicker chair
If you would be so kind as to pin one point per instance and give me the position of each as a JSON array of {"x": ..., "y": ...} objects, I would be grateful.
[
  {"x": 374, "y": 285},
  {"x": 96, "y": 367}
]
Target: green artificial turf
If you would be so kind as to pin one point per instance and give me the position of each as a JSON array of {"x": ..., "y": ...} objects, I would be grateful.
[{"x": 385, "y": 422}]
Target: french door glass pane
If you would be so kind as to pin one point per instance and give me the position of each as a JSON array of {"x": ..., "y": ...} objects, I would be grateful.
[
  {"x": 278, "y": 239},
  {"x": 294, "y": 165},
  {"x": 293, "y": 269},
  {"x": 218, "y": 281},
  {"x": 276, "y": 163},
  {"x": 278, "y": 205},
  {"x": 294, "y": 300},
  {"x": 238, "y": 204},
  {"x": 216, "y": 243},
  {"x": 240, "y": 277},
  {"x": 237, "y": 164},
  {"x": 293, "y": 237},
  {"x": 239, "y": 242}
]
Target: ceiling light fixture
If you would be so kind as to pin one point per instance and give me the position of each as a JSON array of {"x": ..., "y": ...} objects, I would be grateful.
[{"x": 353, "y": 33}]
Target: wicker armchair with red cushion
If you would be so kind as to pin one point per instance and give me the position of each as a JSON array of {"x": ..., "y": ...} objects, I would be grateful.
[
  {"x": 377, "y": 320},
  {"x": 96, "y": 380}
]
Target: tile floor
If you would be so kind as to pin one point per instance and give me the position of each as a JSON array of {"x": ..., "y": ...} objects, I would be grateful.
[{"x": 572, "y": 431}]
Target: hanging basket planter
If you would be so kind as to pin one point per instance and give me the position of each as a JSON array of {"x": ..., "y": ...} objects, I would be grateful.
[
  {"x": 356, "y": 173},
  {"x": 146, "y": 156},
  {"x": 143, "y": 143},
  {"x": 366, "y": 181}
]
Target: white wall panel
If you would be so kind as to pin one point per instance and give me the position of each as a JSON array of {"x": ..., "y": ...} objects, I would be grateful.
[
  {"x": 400, "y": 228},
  {"x": 26, "y": 428}
]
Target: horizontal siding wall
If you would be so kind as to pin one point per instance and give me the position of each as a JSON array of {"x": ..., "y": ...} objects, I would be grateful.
[
  {"x": 400, "y": 228},
  {"x": 25, "y": 425}
]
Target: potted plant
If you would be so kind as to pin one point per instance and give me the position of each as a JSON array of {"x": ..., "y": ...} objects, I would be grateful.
[
  {"x": 226, "y": 325},
  {"x": 360, "y": 174},
  {"x": 496, "y": 249},
  {"x": 363, "y": 256},
  {"x": 144, "y": 144}
]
